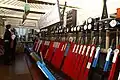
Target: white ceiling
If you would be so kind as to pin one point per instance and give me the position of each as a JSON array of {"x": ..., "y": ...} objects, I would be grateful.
[
  {"x": 14, "y": 9},
  {"x": 87, "y": 8}
]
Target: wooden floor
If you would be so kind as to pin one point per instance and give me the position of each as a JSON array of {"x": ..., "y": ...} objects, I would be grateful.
[{"x": 21, "y": 69}]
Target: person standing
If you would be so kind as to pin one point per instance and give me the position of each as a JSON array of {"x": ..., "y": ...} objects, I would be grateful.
[
  {"x": 13, "y": 43},
  {"x": 7, "y": 42}
]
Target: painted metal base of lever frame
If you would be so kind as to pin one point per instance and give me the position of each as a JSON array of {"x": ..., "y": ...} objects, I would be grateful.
[{"x": 46, "y": 72}]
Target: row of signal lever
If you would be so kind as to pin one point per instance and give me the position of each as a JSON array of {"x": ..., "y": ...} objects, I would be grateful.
[{"x": 79, "y": 61}]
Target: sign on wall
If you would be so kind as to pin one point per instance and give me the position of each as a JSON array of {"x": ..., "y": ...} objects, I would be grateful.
[{"x": 51, "y": 17}]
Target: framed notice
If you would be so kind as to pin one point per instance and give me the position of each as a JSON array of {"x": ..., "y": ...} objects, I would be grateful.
[{"x": 51, "y": 17}]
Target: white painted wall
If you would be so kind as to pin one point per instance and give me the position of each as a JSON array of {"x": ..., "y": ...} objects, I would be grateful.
[{"x": 92, "y": 8}]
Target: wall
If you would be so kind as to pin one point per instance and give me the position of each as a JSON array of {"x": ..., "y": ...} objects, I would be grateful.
[
  {"x": 92, "y": 8},
  {"x": 2, "y": 29}
]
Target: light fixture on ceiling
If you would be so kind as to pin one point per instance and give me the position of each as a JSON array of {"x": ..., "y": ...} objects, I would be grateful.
[{"x": 3, "y": 18}]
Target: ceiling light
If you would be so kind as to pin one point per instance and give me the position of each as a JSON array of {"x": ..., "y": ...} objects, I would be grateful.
[{"x": 3, "y": 18}]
